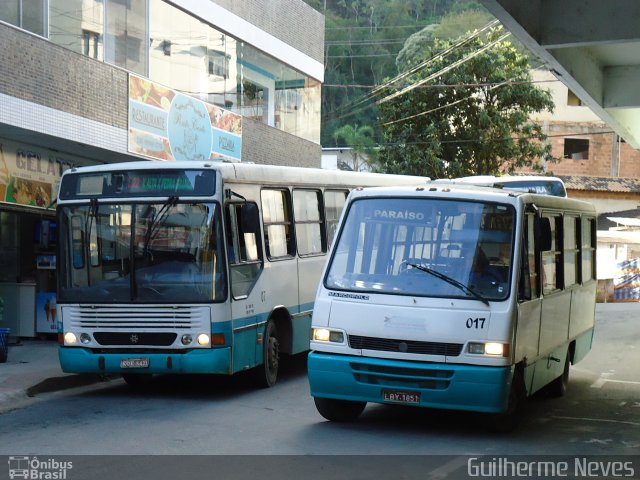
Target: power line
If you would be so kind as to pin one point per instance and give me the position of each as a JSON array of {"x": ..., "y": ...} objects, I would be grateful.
[
  {"x": 367, "y": 41},
  {"x": 439, "y": 56},
  {"x": 382, "y": 27},
  {"x": 364, "y": 56},
  {"x": 444, "y": 85},
  {"x": 485, "y": 140},
  {"x": 443, "y": 70}
]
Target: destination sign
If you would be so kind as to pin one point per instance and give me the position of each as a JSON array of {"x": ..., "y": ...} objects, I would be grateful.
[{"x": 138, "y": 183}]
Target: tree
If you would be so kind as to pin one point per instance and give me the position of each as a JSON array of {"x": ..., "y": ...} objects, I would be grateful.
[
  {"x": 361, "y": 141},
  {"x": 474, "y": 118},
  {"x": 362, "y": 40}
]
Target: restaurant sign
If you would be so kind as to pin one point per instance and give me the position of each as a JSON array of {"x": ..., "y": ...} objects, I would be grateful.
[{"x": 167, "y": 125}]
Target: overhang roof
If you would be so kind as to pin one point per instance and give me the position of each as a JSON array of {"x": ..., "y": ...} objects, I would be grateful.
[
  {"x": 601, "y": 184},
  {"x": 592, "y": 46}
]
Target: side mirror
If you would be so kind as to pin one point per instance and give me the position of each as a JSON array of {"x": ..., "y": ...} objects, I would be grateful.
[
  {"x": 249, "y": 218},
  {"x": 542, "y": 231}
]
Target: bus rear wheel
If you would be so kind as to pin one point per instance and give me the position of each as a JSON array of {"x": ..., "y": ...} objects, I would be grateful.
[
  {"x": 267, "y": 373},
  {"x": 339, "y": 410},
  {"x": 558, "y": 388}
]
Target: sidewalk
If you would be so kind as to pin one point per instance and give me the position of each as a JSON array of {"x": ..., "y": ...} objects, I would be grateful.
[{"x": 32, "y": 368}]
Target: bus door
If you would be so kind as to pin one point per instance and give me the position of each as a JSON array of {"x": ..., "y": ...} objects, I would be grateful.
[
  {"x": 529, "y": 301},
  {"x": 244, "y": 257},
  {"x": 312, "y": 246}
]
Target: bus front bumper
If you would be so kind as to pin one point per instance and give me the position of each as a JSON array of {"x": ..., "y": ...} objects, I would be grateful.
[
  {"x": 83, "y": 360},
  {"x": 435, "y": 385}
]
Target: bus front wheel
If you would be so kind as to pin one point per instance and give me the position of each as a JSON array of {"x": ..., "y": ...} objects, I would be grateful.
[
  {"x": 137, "y": 380},
  {"x": 339, "y": 410},
  {"x": 508, "y": 420}
]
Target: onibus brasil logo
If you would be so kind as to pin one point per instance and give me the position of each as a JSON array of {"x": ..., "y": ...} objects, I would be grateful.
[{"x": 38, "y": 469}]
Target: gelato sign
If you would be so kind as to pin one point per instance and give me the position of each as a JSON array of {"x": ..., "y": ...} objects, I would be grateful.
[
  {"x": 30, "y": 175},
  {"x": 168, "y": 125}
]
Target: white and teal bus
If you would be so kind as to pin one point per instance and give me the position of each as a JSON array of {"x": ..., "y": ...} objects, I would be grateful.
[
  {"x": 193, "y": 267},
  {"x": 455, "y": 297}
]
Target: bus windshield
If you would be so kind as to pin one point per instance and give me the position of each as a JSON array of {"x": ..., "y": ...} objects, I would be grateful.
[
  {"x": 141, "y": 252},
  {"x": 425, "y": 247}
]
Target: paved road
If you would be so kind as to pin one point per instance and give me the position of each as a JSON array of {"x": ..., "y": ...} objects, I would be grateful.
[{"x": 213, "y": 415}]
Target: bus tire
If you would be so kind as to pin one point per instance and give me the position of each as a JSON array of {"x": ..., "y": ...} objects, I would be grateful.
[
  {"x": 339, "y": 410},
  {"x": 508, "y": 420},
  {"x": 137, "y": 380},
  {"x": 266, "y": 374},
  {"x": 558, "y": 387}
]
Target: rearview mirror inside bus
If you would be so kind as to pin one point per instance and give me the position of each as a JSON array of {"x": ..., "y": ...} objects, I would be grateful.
[
  {"x": 249, "y": 218},
  {"x": 543, "y": 233}
]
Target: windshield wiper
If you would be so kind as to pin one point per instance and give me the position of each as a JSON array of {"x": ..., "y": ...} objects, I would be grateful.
[
  {"x": 157, "y": 221},
  {"x": 449, "y": 280}
]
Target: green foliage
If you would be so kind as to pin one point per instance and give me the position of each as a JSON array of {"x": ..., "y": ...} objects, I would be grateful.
[
  {"x": 455, "y": 25},
  {"x": 473, "y": 119},
  {"x": 362, "y": 40},
  {"x": 362, "y": 143}
]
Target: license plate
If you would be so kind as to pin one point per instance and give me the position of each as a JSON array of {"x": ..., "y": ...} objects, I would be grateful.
[
  {"x": 134, "y": 362},
  {"x": 398, "y": 396}
]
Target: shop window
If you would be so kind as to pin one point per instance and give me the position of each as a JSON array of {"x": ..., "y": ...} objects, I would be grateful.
[{"x": 576, "y": 148}]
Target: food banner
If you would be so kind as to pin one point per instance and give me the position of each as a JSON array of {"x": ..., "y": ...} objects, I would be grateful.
[
  {"x": 30, "y": 175},
  {"x": 168, "y": 125}
]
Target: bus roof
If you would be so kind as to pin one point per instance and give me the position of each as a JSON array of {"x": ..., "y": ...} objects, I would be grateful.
[
  {"x": 475, "y": 192},
  {"x": 267, "y": 174}
]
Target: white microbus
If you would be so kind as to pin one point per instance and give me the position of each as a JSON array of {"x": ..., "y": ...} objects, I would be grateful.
[
  {"x": 193, "y": 267},
  {"x": 452, "y": 296}
]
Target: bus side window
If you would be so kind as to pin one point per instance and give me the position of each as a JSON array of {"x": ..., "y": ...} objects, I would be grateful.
[
  {"x": 278, "y": 223},
  {"x": 528, "y": 284},
  {"x": 309, "y": 222},
  {"x": 588, "y": 250},
  {"x": 334, "y": 201},
  {"x": 552, "y": 272},
  {"x": 244, "y": 251}
]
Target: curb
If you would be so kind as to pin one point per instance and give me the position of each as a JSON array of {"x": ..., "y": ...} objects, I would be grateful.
[{"x": 66, "y": 382}]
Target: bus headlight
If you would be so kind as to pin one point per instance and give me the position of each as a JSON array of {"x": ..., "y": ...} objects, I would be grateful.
[
  {"x": 186, "y": 339},
  {"x": 327, "y": 335},
  {"x": 85, "y": 338},
  {"x": 493, "y": 349},
  {"x": 203, "y": 339},
  {"x": 70, "y": 338}
]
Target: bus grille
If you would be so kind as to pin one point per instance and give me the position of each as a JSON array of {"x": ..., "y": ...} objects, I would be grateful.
[
  {"x": 137, "y": 317},
  {"x": 405, "y": 346},
  {"x": 159, "y": 339},
  {"x": 402, "y": 377}
]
